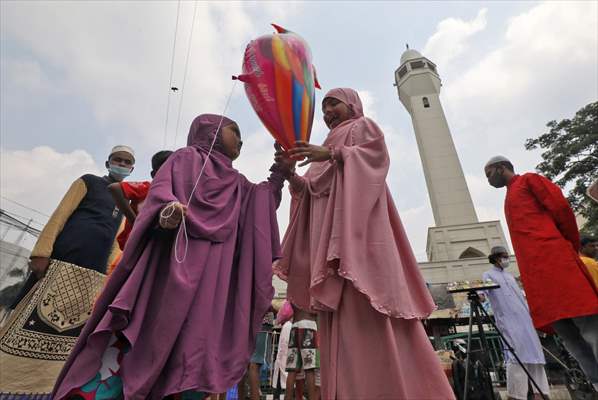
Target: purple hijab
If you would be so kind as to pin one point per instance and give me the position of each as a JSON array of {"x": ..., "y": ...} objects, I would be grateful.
[
  {"x": 190, "y": 326},
  {"x": 203, "y": 128}
]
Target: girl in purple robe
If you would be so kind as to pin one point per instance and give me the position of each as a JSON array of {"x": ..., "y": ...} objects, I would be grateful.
[{"x": 183, "y": 324}]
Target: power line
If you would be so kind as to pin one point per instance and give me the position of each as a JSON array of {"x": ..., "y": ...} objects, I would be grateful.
[
  {"x": 176, "y": 132},
  {"x": 176, "y": 29},
  {"x": 20, "y": 218},
  {"x": 26, "y": 207},
  {"x": 8, "y": 220}
]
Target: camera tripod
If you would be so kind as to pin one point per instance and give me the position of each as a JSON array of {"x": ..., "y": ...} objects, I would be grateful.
[{"x": 477, "y": 311}]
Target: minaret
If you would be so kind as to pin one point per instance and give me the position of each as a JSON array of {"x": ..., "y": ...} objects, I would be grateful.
[
  {"x": 419, "y": 86},
  {"x": 457, "y": 246}
]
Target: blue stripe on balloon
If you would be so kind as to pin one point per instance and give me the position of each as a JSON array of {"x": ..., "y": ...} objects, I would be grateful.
[{"x": 297, "y": 99}]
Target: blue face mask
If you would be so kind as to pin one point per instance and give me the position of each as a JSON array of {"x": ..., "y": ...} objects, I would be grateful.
[{"x": 119, "y": 172}]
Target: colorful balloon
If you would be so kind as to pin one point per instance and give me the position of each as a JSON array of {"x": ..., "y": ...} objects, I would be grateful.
[{"x": 280, "y": 83}]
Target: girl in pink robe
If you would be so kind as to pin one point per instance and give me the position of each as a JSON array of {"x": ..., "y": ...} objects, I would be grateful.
[{"x": 346, "y": 256}]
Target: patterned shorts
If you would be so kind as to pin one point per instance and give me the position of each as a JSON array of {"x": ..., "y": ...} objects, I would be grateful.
[{"x": 303, "y": 347}]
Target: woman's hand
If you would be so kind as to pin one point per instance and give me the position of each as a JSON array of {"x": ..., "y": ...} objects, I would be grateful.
[
  {"x": 309, "y": 152},
  {"x": 283, "y": 159},
  {"x": 172, "y": 215}
]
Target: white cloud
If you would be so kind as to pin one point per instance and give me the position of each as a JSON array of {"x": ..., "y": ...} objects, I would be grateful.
[
  {"x": 451, "y": 38},
  {"x": 40, "y": 177},
  {"x": 549, "y": 57}
]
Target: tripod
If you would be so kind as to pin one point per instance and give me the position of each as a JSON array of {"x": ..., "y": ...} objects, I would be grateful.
[{"x": 477, "y": 311}]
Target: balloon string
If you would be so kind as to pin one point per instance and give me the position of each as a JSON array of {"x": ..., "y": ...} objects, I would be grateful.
[{"x": 169, "y": 210}]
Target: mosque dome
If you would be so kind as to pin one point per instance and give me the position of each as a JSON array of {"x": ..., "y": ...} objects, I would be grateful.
[{"x": 410, "y": 54}]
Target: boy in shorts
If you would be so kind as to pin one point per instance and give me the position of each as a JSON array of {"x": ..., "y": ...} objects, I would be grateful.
[{"x": 303, "y": 353}]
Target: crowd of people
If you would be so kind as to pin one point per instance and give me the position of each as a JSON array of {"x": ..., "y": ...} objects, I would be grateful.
[{"x": 187, "y": 307}]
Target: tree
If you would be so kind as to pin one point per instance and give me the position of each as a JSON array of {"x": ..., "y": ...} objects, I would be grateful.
[{"x": 571, "y": 158}]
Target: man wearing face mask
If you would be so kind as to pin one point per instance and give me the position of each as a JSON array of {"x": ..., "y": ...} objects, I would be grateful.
[
  {"x": 561, "y": 294},
  {"x": 68, "y": 264},
  {"x": 513, "y": 319},
  {"x": 83, "y": 226}
]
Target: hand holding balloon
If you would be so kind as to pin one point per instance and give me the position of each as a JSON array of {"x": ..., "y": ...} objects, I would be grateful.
[
  {"x": 309, "y": 152},
  {"x": 283, "y": 158}
]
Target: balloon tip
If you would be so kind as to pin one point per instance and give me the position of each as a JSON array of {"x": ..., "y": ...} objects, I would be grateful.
[
  {"x": 316, "y": 82},
  {"x": 279, "y": 28},
  {"x": 243, "y": 78}
]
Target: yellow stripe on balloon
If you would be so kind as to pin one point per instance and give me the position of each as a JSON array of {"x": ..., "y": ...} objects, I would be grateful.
[
  {"x": 284, "y": 101},
  {"x": 280, "y": 56}
]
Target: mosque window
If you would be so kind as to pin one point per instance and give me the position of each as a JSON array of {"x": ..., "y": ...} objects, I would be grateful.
[
  {"x": 426, "y": 102},
  {"x": 471, "y": 252},
  {"x": 432, "y": 67},
  {"x": 417, "y": 64},
  {"x": 403, "y": 72}
]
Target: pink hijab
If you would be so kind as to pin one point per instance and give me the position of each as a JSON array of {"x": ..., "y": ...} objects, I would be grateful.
[{"x": 361, "y": 237}]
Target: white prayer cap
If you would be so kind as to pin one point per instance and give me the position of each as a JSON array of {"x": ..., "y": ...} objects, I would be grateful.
[
  {"x": 122, "y": 148},
  {"x": 496, "y": 160},
  {"x": 498, "y": 250}
]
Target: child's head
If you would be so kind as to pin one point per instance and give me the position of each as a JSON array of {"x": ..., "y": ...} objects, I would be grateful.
[
  {"x": 231, "y": 140},
  {"x": 205, "y": 126},
  {"x": 499, "y": 256},
  {"x": 340, "y": 105},
  {"x": 158, "y": 159}
]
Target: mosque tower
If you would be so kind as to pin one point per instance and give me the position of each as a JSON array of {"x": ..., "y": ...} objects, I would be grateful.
[
  {"x": 458, "y": 239},
  {"x": 419, "y": 89}
]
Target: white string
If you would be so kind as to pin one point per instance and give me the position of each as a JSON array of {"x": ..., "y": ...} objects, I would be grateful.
[{"x": 169, "y": 210}]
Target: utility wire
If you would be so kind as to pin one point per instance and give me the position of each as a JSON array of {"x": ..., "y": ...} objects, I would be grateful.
[
  {"x": 25, "y": 207},
  {"x": 176, "y": 132},
  {"x": 176, "y": 29}
]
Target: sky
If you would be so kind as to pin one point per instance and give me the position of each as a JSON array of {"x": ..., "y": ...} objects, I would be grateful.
[{"x": 77, "y": 78}]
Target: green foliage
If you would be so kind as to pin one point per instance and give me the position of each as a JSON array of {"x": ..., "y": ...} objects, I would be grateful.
[{"x": 570, "y": 157}]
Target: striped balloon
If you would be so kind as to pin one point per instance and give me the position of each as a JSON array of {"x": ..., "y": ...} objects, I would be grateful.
[{"x": 280, "y": 83}]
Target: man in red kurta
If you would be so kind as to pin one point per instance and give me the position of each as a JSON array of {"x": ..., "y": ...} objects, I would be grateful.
[{"x": 560, "y": 292}]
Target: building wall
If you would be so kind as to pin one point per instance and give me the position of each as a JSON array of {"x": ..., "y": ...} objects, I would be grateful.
[
  {"x": 468, "y": 269},
  {"x": 449, "y": 196},
  {"x": 449, "y": 242}
]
